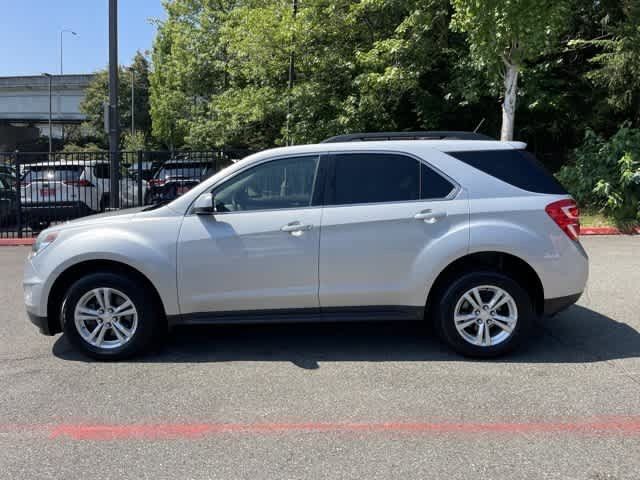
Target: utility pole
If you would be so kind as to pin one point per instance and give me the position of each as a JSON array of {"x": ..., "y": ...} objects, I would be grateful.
[
  {"x": 292, "y": 74},
  {"x": 114, "y": 124},
  {"x": 133, "y": 105},
  {"x": 50, "y": 77}
]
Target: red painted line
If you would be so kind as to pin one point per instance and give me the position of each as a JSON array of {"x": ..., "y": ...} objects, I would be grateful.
[
  {"x": 97, "y": 432},
  {"x": 14, "y": 242}
]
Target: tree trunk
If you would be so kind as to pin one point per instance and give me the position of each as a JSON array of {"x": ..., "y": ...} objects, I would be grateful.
[{"x": 509, "y": 104}]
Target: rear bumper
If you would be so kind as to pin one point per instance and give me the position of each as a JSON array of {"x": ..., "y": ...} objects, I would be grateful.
[
  {"x": 57, "y": 210},
  {"x": 556, "y": 305}
]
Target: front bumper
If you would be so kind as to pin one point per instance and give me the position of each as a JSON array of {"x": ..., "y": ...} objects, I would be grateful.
[
  {"x": 34, "y": 300},
  {"x": 557, "y": 305},
  {"x": 42, "y": 323}
]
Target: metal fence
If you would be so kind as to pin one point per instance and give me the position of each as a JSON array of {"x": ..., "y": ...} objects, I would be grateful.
[{"x": 38, "y": 189}]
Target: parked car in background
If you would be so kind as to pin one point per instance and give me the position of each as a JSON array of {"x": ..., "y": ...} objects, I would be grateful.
[
  {"x": 61, "y": 190},
  {"x": 471, "y": 234},
  {"x": 8, "y": 172},
  {"x": 6, "y": 168},
  {"x": 7, "y": 198},
  {"x": 148, "y": 170},
  {"x": 177, "y": 177}
]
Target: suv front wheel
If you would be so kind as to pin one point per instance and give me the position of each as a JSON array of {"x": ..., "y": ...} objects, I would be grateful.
[
  {"x": 484, "y": 314},
  {"x": 108, "y": 316}
]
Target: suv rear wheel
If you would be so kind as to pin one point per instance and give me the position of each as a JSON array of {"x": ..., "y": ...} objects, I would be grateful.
[
  {"x": 484, "y": 314},
  {"x": 108, "y": 317}
]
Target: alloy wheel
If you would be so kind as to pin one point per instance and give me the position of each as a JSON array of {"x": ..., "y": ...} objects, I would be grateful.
[
  {"x": 486, "y": 316},
  {"x": 106, "y": 318}
]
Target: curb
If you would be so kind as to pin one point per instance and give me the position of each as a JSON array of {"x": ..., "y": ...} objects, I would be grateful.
[
  {"x": 606, "y": 231},
  {"x": 16, "y": 242}
]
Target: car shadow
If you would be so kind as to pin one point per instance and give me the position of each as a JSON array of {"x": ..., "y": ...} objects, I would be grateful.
[{"x": 577, "y": 335}]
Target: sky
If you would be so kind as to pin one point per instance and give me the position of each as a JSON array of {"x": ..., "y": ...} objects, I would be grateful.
[{"x": 30, "y": 34}]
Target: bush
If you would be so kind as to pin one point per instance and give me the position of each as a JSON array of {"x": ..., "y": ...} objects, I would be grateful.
[{"x": 605, "y": 174}]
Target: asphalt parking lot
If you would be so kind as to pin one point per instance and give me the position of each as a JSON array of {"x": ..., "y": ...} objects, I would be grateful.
[{"x": 332, "y": 401}]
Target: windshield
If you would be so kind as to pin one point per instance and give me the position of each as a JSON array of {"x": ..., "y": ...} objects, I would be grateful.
[{"x": 47, "y": 173}]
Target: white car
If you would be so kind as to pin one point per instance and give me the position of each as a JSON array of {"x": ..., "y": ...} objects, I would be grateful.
[
  {"x": 66, "y": 189},
  {"x": 471, "y": 234}
]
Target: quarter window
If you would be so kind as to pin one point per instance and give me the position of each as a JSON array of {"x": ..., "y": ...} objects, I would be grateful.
[
  {"x": 433, "y": 185},
  {"x": 286, "y": 183}
]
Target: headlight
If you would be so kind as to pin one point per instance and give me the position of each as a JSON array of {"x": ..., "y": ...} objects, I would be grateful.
[{"x": 43, "y": 241}]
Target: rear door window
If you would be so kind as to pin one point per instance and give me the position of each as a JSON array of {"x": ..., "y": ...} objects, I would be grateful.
[
  {"x": 383, "y": 178},
  {"x": 374, "y": 178},
  {"x": 515, "y": 167}
]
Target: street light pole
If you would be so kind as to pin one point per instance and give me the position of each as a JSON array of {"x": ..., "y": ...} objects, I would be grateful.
[
  {"x": 61, "y": 72},
  {"x": 50, "y": 77},
  {"x": 61, "y": 32}
]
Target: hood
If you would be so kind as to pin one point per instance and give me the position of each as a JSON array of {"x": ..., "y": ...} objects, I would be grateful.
[{"x": 119, "y": 216}]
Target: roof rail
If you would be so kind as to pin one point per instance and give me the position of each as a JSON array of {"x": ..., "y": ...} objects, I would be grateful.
[{"x": 436, "y": 135}]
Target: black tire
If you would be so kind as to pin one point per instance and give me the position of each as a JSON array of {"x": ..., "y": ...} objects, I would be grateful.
[
  {"x": 445, "y": 312},
  {"x": 149, "y": 315}
]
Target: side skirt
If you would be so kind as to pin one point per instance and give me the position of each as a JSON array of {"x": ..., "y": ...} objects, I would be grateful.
[{"x": 301, "y": 315}]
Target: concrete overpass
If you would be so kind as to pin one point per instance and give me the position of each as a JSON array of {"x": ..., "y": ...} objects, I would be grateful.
[{"x": 24, "y": 106}]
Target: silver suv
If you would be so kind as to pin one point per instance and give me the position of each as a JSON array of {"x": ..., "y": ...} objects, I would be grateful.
[{"x": 473, "y": 235}]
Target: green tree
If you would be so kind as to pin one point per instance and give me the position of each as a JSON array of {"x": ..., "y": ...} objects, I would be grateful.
[
  {"x": 98, "y": 94},
  {"x": 617, "y": 63},
  {"x": 505, "y": 36},
  {"x": 221, "y": 70},
  {"x": 189, "y": 67}
]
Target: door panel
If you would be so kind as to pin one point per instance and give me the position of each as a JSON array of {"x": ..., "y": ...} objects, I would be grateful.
[
  {"x": 387, "y": 219},
  {"x": 261, "y": 251},
  {"x": 244, "y": 261},
  {"x": 388, "y": 259}
]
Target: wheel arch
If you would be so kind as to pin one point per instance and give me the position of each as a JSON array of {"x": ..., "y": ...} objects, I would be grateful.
[
  {"x": 76, "y": 271},
  {"x": 502, "y": 262}
]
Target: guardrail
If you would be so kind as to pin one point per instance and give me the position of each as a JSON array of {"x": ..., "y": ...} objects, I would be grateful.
[{"x": 38, "y": 189}]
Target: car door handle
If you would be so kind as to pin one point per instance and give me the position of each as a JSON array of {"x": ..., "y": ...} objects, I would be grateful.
[
  {"x": 296, "y": 227},
  {"x": 429, "y": 216}
]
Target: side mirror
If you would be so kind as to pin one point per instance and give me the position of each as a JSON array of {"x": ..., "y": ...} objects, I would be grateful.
[{"x": 204, "y": 205}]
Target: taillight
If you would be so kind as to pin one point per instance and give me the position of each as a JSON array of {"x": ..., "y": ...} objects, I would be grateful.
[
  {"x": 79, "y": 183},
  {"x": 156, "y": 182},
  {"x": 566, "y": 214}
]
